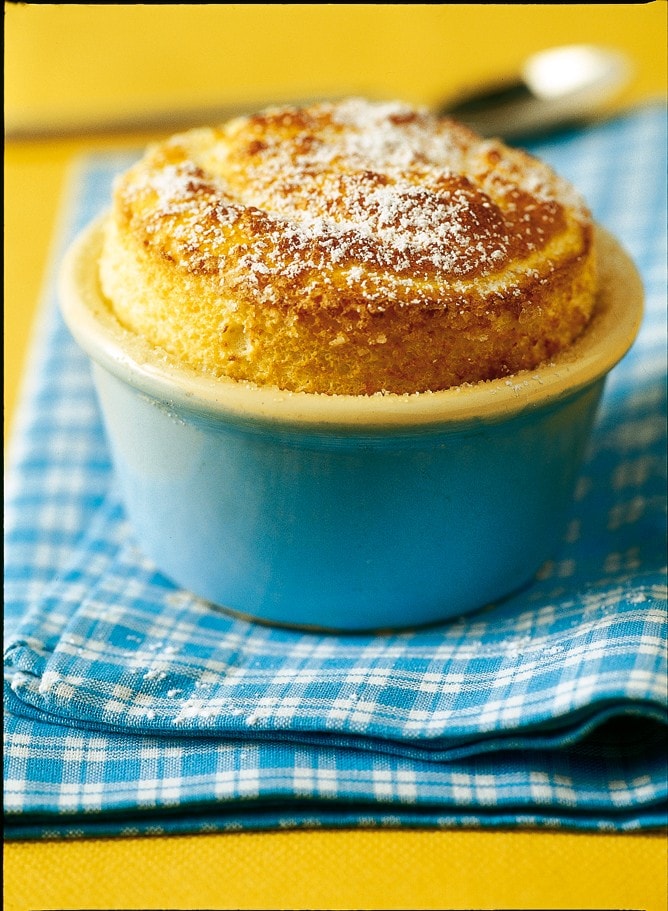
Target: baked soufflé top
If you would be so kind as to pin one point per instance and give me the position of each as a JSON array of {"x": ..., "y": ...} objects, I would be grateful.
[{"x": 349, "y": 247}]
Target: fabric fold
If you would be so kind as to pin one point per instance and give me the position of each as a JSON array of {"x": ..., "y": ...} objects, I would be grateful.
[{"x": 114, "y": 645}]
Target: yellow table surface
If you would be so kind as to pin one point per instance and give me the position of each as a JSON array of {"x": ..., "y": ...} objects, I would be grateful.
[{"x": 69, "y": 65}]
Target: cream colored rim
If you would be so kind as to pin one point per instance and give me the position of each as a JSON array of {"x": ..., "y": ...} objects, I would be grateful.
[{"x": 608, "y": 337}]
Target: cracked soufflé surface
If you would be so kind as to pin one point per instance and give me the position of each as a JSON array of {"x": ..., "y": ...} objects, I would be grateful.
[{"x": 349, "y": 247}]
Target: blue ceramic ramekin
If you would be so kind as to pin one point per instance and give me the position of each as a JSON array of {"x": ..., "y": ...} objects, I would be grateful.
[{"x": 346, "y": 512}]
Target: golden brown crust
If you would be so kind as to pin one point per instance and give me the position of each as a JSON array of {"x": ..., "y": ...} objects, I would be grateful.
[{"x": 349, "y": 248}]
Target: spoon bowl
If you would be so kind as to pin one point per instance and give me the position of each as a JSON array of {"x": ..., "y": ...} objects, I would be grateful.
[{"x": 553, "y": 88}]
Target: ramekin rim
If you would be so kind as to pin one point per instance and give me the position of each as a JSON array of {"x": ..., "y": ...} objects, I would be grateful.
[{"x": 602, "y": 345}]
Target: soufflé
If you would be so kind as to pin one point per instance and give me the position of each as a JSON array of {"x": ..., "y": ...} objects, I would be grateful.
[{"x": 349, "y": 247}]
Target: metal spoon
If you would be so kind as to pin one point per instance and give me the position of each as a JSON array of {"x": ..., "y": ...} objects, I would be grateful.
[{"x": 554, "y": 88}]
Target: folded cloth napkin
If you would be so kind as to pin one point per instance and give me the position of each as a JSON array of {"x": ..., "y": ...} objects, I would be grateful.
[{"x": 132, "y": 707}]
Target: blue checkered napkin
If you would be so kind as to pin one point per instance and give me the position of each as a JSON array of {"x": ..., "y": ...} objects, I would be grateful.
[{"x": 132, "y": 706}]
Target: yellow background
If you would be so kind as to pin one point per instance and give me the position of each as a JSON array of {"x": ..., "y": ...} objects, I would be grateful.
[{"x": 69, "y": 66}]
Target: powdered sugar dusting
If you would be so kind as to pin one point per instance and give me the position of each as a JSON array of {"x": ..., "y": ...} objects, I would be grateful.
[{"x": 379, "y": 198}]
